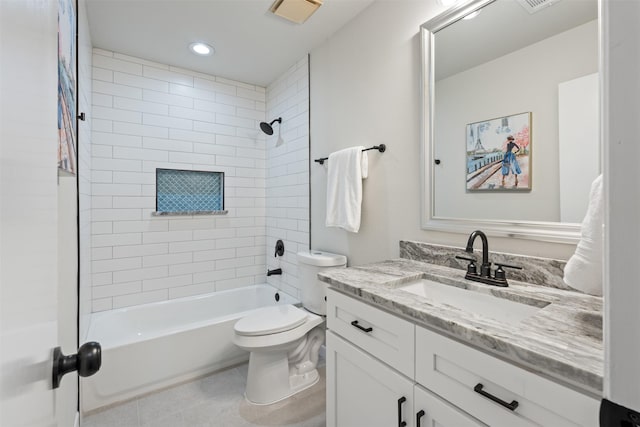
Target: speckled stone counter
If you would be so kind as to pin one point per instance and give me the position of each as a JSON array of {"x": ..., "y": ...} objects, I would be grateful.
[{"x": 562, "y": 341}]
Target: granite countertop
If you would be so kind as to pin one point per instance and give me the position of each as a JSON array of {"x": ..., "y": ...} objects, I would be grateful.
[{"x": 562, "y": 341}]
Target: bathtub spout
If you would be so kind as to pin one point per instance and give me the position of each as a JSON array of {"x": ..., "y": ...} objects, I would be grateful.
[{"x": 273, "y": 272}]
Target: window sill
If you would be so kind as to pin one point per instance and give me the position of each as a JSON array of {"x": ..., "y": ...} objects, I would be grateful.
[{"x": 189, "y": 213}]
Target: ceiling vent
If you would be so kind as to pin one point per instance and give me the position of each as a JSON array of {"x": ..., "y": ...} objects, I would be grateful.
[
  {"x": 533, "y": 6},
  {"x": 296, "y": 11}
]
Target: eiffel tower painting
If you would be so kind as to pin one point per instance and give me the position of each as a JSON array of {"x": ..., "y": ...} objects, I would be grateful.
[{"x": 499, "y": 154}]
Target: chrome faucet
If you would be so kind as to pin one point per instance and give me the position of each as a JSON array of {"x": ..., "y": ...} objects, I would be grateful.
[{"x": 499, "y": 278}]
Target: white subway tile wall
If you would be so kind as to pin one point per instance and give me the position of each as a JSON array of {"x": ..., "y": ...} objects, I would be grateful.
[
  {"x": 287, "y": 186},
  {"x": 147, "y": 116}
]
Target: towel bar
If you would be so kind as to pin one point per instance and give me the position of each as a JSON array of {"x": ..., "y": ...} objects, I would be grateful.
[{"x": 381, "y": 148}]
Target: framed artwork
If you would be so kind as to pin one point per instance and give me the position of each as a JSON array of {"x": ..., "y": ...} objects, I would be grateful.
[
  {"x": 499, "y": 154},
  {"x": 67, "y": 59}
]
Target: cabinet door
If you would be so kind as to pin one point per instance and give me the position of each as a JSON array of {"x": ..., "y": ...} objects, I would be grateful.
[
  {"x": 431, "y": 411},
  {"x": 362, "y": 391}
]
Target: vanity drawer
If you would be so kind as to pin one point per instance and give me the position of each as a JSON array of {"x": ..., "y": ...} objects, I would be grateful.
[
  {"x": 381, "y": 334},
  {"x": 453, "y": 370}
]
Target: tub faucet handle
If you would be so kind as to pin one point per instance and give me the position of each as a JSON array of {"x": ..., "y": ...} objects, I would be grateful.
[{"x": 279, "y": 248}]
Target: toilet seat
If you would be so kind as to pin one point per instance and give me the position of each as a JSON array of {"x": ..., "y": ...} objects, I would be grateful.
[
  {"x": 271, "y": 320},
  {"x": 274, "y": 341}
]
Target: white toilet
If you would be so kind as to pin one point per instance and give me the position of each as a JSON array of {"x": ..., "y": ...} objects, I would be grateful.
[{"x": 285, "y": 340}]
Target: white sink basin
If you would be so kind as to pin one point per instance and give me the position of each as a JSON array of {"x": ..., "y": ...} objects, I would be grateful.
[{"x": 475, "y": 303}]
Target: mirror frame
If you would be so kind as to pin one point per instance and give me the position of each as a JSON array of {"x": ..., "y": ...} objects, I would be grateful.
[{"x": 555, "y": 232}]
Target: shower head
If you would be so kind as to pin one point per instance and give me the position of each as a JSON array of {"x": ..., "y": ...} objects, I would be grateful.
[{"x": 266, "y": 127}]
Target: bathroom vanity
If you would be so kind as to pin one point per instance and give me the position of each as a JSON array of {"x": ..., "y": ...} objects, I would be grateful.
[{"x": 411, "y": 343}]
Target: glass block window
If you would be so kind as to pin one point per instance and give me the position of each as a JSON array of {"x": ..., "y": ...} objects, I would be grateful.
[{"x": 189, "y": 191}]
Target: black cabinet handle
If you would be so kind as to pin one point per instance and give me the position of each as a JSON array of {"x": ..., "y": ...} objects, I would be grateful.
[
  {"x": 510, "y": 406},
  {"x": 400, "y": 402},
  {"x": 363, "y": 329},
  {"x": 418, "y": 416}
]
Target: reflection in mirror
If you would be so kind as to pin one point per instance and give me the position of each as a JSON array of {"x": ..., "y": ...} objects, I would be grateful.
[{"x": 490, "y": 75}]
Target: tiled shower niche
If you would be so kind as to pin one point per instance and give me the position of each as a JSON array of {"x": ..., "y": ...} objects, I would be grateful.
[{"x": 188, "y": 191}]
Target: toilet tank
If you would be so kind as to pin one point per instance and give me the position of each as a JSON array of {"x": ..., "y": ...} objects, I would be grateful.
[{"x": 310, "y": 263}]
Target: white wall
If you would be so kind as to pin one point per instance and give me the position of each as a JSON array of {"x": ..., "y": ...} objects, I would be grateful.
[
  {"x": 85, "y": 53},
  {"x": 147, "y": 116},
  {"x": 288, "y": 174},
  {"x": 504, "y": 87},
  {"x": 365, "y": 89}
]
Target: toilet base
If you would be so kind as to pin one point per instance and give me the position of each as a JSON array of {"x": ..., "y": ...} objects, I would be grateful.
[
  {"x": 269, "y": 380},
  {"x": 282, "y": 371}
]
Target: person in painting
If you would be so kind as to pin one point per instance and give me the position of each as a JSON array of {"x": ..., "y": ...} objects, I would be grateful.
[{"x": 509, "y": 162}]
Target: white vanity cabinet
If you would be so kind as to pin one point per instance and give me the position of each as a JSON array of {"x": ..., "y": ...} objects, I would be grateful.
[
  {"x": 370, "y": 371},
  {"x": 496, "y": 392},
  {"x": 383, "y": 335},
  {"x": 362, "y": 391},
  {"x": 383, "y": 370}
]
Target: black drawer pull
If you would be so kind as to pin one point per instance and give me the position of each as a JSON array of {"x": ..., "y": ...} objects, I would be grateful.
[
  {"x": 510, "y": 406},
  {"x": 355, "y": 323},
  {"x": 418, "y": 416},
  {"x": 400, "y": 402}
]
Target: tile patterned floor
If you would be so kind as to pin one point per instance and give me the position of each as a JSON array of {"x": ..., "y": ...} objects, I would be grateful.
[{"x": 216, "y": 400}]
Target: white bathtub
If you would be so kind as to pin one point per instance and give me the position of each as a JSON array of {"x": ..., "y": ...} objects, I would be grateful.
[{"x": 148, "y": 347}]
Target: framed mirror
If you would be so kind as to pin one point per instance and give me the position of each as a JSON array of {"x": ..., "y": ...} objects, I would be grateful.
[{"x": 511, "y": 139}]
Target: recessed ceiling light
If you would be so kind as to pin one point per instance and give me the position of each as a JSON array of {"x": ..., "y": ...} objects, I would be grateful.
[{"x": 201, "y": 49}]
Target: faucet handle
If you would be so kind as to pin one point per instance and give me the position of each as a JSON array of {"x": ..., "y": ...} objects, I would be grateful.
[
  {"x": 501, "y": 264},
  {"x": 500, "y": 273},
  {"x": 471, "y": 268}
]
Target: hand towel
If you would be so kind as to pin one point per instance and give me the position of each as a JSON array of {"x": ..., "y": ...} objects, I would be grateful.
[
  {"x": 584, "y": 269},
  {"x": 347, "y": 168}
]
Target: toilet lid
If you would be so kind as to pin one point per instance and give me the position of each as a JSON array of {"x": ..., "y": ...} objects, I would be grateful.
[{"x": 271, "y": 320}]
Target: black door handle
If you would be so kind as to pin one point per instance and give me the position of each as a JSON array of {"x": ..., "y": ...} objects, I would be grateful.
[
  {"x": 400, "y": 402},
  {"x": 87, "y": 362},
  {"x": 362, "y": 328},
  {"x": 510, "y": 406},
  {"x": 418, "y": 416}
]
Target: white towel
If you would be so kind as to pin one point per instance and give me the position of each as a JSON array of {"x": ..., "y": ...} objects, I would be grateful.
[
  {"x": 584, "y": 269},
  {"x": 347, "y": 169}
]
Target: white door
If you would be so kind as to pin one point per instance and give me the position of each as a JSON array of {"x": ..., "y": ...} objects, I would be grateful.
[
  {"x": 30, "y": 299},
  {"x": 363, "y": 391},
  {"x": 620, "y": 112}
]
